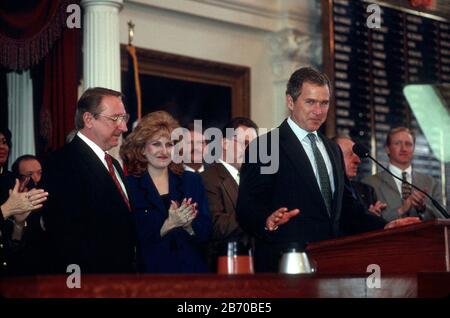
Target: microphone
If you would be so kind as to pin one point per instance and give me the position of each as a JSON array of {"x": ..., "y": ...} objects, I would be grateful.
[{"x": 362, "y": 152}]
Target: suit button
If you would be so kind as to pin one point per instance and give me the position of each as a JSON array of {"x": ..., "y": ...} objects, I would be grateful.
[
  {"x": 145, "y": 211},
  {"x": 4, "y": 264},
  {"x": 1, "y": 245}
]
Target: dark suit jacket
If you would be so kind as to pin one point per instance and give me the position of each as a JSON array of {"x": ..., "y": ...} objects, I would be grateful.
[
  {"x": 365, "y": 193},
  {"x": 222, "y": 192},
  {"x": 177, "y": 251},
  {"x": 294, "y": 186},
  {"x": 6, "y": 248},
  {"x": 87, "y": 220}
]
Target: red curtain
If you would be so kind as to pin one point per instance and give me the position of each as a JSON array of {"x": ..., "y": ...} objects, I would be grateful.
[
  {"x": 60, "y": 90},
  {"x": 34, "y": 33},
  {"x": 28, "y": 30}
]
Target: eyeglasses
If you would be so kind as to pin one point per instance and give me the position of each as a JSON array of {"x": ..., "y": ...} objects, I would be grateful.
[
  {"x": 118, "y": 119},
  {"x": 31, "y": 173}
]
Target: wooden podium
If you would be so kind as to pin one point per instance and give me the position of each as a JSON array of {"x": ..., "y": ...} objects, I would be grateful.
[{"x": 423, "y": 247}]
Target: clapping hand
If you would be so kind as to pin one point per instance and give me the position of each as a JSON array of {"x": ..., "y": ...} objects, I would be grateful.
[
  {"x": 183, "y": 214},
  {"x": 415, "y": 200},
  {"x": 22, "y": 203},
  {"x": 377, "y": 207},
  {"x": 180, "y": 216}
]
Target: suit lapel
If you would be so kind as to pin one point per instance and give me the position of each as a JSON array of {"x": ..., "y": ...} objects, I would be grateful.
[
  {"x": 229, "y": 184},
  {"x": 176, "y": 192},
  {"x": 95, "y": 171},
  {"x": 294, "y": 151},
  {"x": 389, "y": 185},
  {"x": 122, "y": 177},
  {"x": 151, "y": 195},
  {"x": 419, "y": 181},
  {"x": 116, "y": 165}
]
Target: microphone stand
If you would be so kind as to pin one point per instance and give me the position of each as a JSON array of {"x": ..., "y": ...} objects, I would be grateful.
[{"x": 435, "y": 203}]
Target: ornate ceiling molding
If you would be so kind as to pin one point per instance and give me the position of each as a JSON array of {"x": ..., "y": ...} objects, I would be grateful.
[{"x": 291, "y": 47}]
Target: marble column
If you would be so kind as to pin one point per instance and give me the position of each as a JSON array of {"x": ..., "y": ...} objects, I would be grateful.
[{"x": 101, "y": 45}]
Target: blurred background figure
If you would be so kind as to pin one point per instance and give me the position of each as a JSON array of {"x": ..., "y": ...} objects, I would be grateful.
[
  {"x": 170, "y": 205},
  {"x": 363, "y": 192},
  {"x": 5, "y": 145},
  {"x": 193, "y": 160},
  {"x": 32, "y": 257},
  {"x": 27, "y": 166},
  {"x": 221, "y": 181},
  {"x": 17, "y": 224}
]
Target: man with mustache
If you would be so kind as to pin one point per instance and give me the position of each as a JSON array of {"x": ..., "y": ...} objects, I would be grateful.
[
  {"x": 401, "y": 199},
  {"x": 88, "y": 216}
]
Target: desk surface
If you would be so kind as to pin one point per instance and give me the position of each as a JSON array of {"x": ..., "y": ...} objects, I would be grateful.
[{"x": 229, "y": 286}]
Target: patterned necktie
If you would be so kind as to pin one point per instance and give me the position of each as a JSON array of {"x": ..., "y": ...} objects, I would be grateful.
[
  {"x": 406, "y": 188},
  {"x": 108, "y": 159},
  {"x": 322, "y": 171}
]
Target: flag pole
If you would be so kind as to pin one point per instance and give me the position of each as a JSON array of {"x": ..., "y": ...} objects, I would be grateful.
[{"x": 132, "y": 51}]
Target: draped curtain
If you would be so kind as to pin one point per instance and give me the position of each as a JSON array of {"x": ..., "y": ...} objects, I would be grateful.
[
  {"x": 20, "y": 113},
  {"x": 34, "y": 35}
]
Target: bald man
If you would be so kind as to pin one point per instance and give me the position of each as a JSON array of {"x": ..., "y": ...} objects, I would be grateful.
[{"x": 363, "y": 192}]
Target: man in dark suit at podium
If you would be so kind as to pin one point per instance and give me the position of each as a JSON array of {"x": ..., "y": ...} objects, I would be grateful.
[
  {"x": 88, "y": 216},
  {"x": 306, "y": 199}
]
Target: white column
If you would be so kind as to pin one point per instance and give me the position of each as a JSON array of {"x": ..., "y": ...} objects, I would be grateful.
[
  {"x": 101, "y": 45},
  {"x": 20, "y": 114},
  {"x": 290, "y": 50}
]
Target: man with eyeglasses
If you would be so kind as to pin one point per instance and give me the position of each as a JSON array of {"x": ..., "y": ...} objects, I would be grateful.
[
  {"x": 88, "y": 217},
  {"x": 27, "y": 166}
]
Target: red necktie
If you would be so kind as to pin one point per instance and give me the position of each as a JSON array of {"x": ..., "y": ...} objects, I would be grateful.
[{"x": 108, "y": 159}]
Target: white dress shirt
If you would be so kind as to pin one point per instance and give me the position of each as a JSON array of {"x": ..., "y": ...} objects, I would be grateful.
[
  {"x": 231, "y": 169},
  {"x": 187, "y": 168},
  {"x": 306, "y": 143}
]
